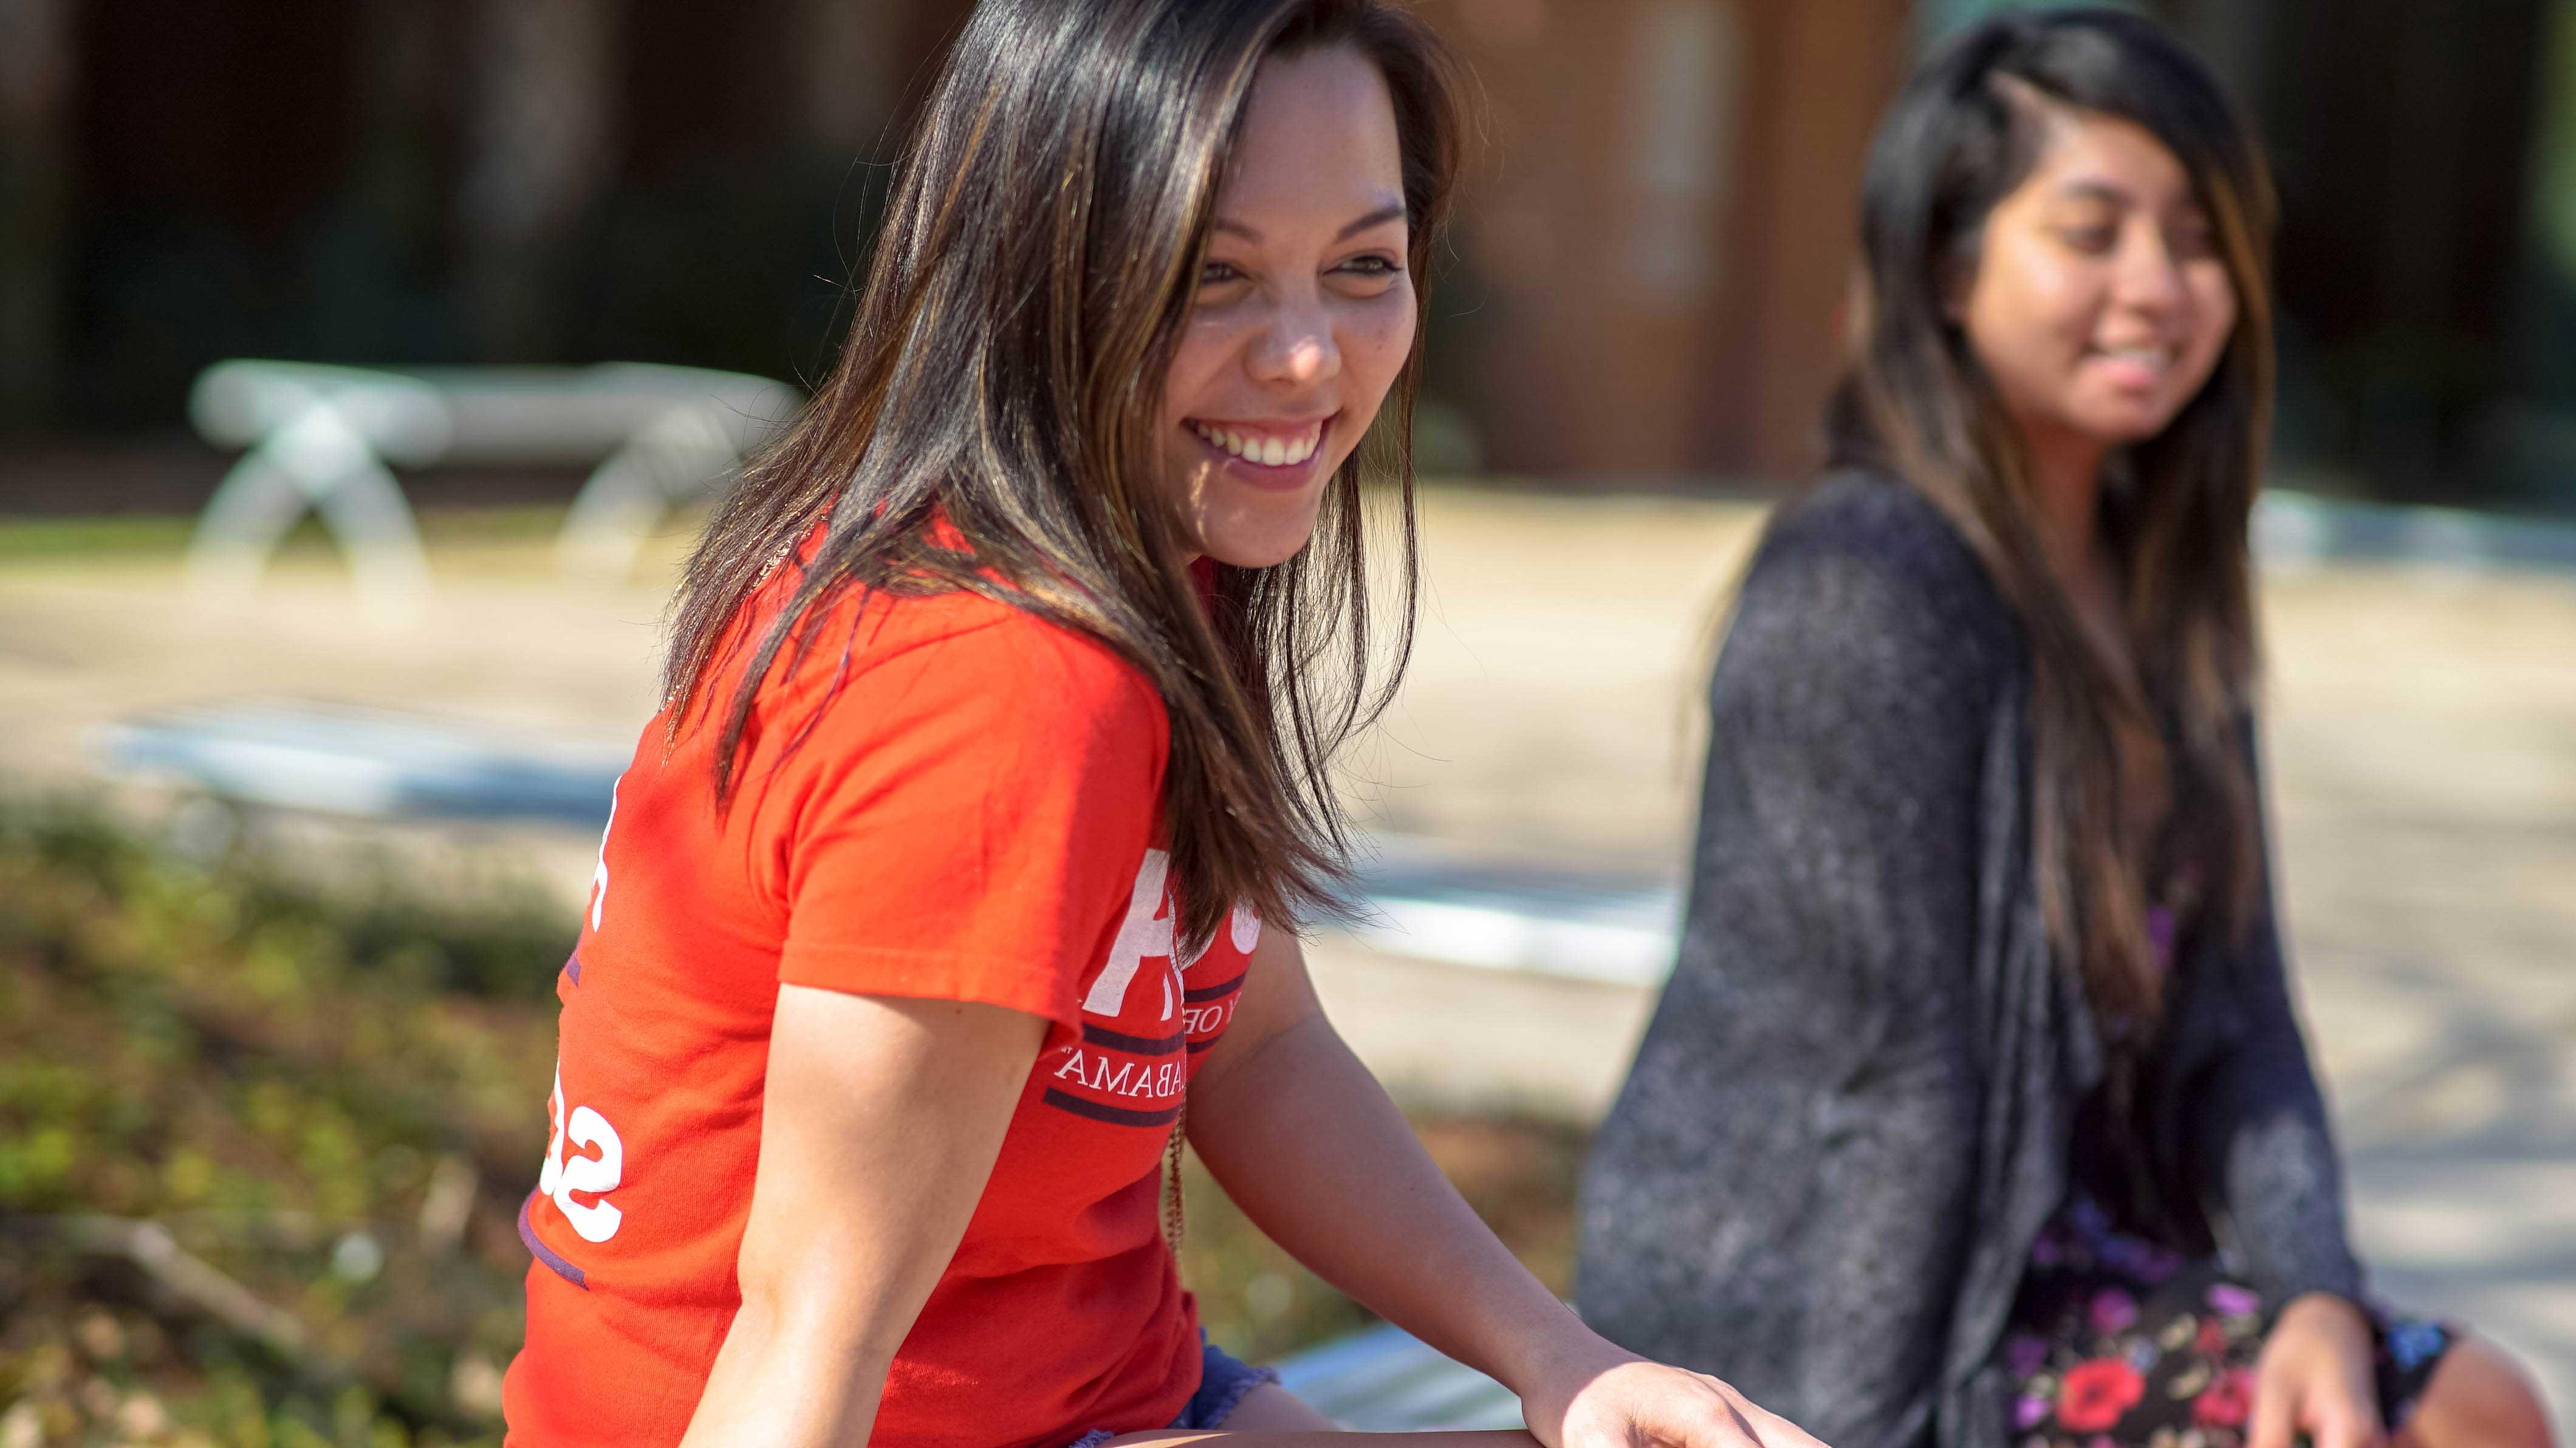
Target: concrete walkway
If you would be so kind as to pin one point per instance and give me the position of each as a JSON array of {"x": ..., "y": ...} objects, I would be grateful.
[{"x": 2422, "y": 730}]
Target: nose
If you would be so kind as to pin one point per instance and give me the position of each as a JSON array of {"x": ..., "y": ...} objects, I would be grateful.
[
  {"x": 2150, "y": 274},
  {"x": 1295, "y": 346}
]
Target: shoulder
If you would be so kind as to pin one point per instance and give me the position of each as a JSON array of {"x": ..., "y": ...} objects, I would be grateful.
[
  {"x": 1864, "y": 525},
  {"x": 963, "y": 663},
  {"x": 1862, "y": 589}
]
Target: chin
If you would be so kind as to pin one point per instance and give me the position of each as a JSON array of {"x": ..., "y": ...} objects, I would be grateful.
[
  {"x": 1260, "y": 532},
  {"x": 1255, "y": 548},
  {"x": 2126, "y": 426}
]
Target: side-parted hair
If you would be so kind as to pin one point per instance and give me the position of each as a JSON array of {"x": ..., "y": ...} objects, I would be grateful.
[
  {"x": 1003, "y": 378},
  {"x": 1966, "y": 131}
]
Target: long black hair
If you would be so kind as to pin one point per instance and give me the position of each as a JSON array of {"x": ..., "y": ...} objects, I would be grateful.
[
  {"x": 1002, "y": 378},
  {"x": 1966, "y": 131}
]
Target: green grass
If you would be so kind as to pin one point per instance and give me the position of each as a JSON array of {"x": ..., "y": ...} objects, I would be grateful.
[
  {"x": 145, "y": 536},
  {"x": 109, "y": 536},
  {"x": 281, "y": 1074}
]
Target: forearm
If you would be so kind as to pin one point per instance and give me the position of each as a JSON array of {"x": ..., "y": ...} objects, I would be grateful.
[
  {"x": 783, "y": 1377},
  {"x": 1304, "y": 1139},
  {"x": 881, "y": 1120},
  {"x": 2264, "y": 1139},
  {"x": 2268, "y": 1145},
  {"x": 2271, "y": 1155}
]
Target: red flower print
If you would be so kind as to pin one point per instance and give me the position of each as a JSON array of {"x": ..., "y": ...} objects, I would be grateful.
[
  {"x": 2227, "y": 1402},
  {"x": 2096, "y": 1393},
  {"x": 2212, "y": 1341}
]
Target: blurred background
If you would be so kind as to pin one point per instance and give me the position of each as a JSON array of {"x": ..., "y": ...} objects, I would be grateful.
[
  {"x": 304, "y": 748},
  {"x": 1644, "y": 286}
]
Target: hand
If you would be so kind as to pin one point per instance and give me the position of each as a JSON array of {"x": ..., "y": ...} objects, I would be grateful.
[
  {"x": 1605, "y": 1397},
  {"x": 2314, "y": 1377}
]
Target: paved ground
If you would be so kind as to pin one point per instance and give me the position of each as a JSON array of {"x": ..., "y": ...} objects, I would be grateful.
[{"x": 2423, "y": 744}]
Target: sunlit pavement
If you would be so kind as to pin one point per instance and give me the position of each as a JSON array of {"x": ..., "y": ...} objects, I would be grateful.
[{"x": 2422, "y": 747}]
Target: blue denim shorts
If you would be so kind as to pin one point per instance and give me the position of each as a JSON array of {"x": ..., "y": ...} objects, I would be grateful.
[{"x": 1223, "y": 1380}]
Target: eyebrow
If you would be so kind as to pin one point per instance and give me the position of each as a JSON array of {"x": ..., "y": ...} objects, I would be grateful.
[
  {"x": 2115, "y": 195},
  {"x": 2095, "y": 191},
  {"x": 1392, "y": 211}
]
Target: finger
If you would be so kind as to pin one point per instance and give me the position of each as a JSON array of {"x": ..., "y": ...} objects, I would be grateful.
[
  {"x": 1766, "y": 1427},
  {"x": 1726, "y": 1427},
  {"x": 1714, "y": 1429},
  {"x": 2275, "y": 1413},
  {"x": 1705, "y": 1424},
  {"x": 1770, "y": 1429},
  {"x": 2348, "y": 1423},
  {"x": 1775, "y": 1431}
]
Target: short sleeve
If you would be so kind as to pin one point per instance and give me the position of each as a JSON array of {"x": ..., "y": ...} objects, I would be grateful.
[{"x": 967, "y": 815}]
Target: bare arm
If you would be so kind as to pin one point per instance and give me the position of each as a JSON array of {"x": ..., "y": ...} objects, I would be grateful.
[
  {"x": 1307, "y": 1143},
  {"x": 880, "y": 1123}
]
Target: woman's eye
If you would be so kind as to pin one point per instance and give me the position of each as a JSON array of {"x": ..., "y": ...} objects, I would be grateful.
[
  {"x": 1218, "y": 273},
  {"x": 2093, "y": 240},
  {"x": 1372, "y": 266}
]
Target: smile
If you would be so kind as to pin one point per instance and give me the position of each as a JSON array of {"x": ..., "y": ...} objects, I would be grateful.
[
  {"x": 1265, "y": 445},
  {"x": 2152, "y": 358}
]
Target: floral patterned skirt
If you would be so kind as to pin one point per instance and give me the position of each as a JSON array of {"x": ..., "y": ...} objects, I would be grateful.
[{"x": 2118, "y": 1343}]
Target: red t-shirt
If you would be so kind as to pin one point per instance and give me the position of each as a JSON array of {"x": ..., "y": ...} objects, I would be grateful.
[{"x": 972, "y": 817}]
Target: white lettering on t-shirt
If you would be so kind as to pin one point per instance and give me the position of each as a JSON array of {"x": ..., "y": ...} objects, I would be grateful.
[
  {"x": 553, "y": 1169},
  {"x": 1199, "y": 1020},
  {"x": 1096, "y": 1071},
  {"x": 599, "y": 876},
  {"x": 594, "y": 1174},
  {"x": 564, "y": 1174},
  {"x": 1145, "y": 935}
]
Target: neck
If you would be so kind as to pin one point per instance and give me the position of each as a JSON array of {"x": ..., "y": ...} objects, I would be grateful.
[{"x": 2066, "y": 483}]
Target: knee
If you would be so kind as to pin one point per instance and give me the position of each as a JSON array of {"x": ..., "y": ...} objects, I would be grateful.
[{"x": 2480, "y": 1396}]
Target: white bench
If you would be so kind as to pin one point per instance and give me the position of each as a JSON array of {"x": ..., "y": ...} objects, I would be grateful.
[
  {"x": 1383, "y": 1379},
  {"x": 326, "y": 439}
]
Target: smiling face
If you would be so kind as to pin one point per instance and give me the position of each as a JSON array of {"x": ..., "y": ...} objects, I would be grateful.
[
  {"x": 1304, "y": 313},
  {"x": 2100, "y": 303}
]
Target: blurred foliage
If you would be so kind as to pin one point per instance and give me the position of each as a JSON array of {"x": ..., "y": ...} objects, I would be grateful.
[
  {"x": 332, "y": 1094},
  {"x": 333, "y": 1098}
]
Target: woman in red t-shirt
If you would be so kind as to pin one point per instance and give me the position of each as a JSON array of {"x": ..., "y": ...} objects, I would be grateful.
[{"x": 999, "y": 714}]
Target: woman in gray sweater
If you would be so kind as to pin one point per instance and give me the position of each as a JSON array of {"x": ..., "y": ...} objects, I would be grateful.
[{"x": 1976, "y": 1111}]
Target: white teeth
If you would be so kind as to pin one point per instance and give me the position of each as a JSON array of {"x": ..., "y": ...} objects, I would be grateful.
[{"x": 1268, "y": 452}]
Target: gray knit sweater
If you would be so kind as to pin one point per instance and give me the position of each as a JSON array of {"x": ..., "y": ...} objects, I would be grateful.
[{"x": 1853, "y": 1110}]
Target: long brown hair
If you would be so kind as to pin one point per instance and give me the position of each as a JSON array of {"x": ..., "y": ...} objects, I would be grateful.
[
  {"x": 1964, "y": 133},
  {"x": 1003, "y": 375}
]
